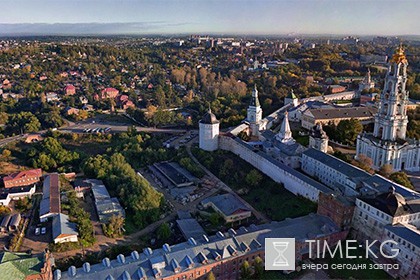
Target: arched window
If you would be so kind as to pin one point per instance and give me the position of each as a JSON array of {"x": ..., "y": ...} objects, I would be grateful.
[
  {"x": 400, "y": 69},
  {"x": 399, "y": 109},
  {"x": 380, "y": 132},
  {"x": 385, "y": 109},
  {"x": 389, "y": 88}
]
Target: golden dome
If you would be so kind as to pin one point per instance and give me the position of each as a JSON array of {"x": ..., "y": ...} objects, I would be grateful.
[{"x": 399, "y": 56}]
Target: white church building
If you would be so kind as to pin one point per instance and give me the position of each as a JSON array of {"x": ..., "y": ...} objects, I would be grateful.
[{"x": 388, "y": 144}]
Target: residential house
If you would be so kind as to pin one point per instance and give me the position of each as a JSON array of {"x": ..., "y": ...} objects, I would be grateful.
[
  {"x": 70, "y": 90},
  {"x": 63, "y": 230}
]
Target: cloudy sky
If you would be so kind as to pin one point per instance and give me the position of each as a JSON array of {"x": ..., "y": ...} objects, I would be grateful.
[{"x": 359, "y": 17}]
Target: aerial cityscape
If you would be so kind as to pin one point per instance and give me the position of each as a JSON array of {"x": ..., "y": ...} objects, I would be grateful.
[{"x": 209, "y": 140}]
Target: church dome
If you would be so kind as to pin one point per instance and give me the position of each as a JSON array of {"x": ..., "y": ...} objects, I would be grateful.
[
  {"x": 394, "y": 202},
  {"x": 318, "y": 132},
  {"x": 209, "y": 118}
]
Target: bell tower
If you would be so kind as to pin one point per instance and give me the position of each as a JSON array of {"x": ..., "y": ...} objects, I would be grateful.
[
  {"x": 391, "y": 119},
  {"x": 254, "y": 113}
]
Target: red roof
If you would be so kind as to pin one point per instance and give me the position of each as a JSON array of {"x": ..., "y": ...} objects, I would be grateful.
[
  {"x": 55, "y": 205},
  {"x": 23, "y": 174},
  {"x": 109, "y": 89},
  {"x": 69, "y": 87}
]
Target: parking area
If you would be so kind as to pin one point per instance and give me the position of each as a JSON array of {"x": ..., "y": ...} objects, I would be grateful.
[{"x": 180, "y": 140}]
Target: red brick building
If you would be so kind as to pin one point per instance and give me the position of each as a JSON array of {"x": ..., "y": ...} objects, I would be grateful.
[
  {"x": 22, "y": 178},
  {"x": 338, "y": 208}
]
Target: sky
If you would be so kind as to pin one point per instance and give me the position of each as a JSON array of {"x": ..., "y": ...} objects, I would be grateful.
[{"x": 353, "y": 17}]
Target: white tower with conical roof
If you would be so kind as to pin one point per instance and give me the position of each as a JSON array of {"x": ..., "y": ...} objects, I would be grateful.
[
  {"x": 209, "y": 132},
  {"x": 285, "y": 133},
  {"x": 254, "y": 113}
]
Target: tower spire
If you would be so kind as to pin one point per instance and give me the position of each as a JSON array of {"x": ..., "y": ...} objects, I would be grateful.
[{"x": 285, "y": 133}]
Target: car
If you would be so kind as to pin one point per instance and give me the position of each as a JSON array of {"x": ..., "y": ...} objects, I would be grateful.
[
  {"x": 43, "y": 230},
  {"x": 37, "y": 231},
  {"x": 88, "y": 130}
]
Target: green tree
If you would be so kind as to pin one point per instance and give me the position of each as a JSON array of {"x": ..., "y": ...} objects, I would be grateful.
[
  {"x": 210, "y": 276},
  {"x": 258, "y": 268},
  {"x": 164, "y": 231},
  {"x": 347, "y": 131},
  {"x": 253, "y": 178},
  {"x": 215, "y": 219},
  {"x": 4, "y": 210},
  {"x": 386, "y": 170},
  {"x": 23, "y": 204},
  {"x": 245, "y": 270},
  {"x": 23, "y": 122},
  {"x": 402, "y": 179},
  {"x": 114, "y": 227},
  {"x": 6, "y": 154}
]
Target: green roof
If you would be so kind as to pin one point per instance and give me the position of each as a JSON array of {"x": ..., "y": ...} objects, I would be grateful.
[
  {"x": 292, "y": 95},
  {"x": 18, "y": 266}
]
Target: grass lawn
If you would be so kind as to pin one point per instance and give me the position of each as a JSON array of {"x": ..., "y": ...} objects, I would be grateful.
[
  {"x": 268, "y": 197},
  {"x": 277, "y": 203}
]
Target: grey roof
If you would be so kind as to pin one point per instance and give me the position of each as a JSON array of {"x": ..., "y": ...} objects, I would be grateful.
[
  {"x": 99, "y": 190},
  {"x": 408, "y": 233},
  {"x": 209, "y": 118},
  {"x": 292, "y": 149},
  {"x": 228, "y": 204},
  {"x": 183, "y": 214},
  {"x": 382, "y": 184},
  {"x": 288, "y": 169},
  {"x": 188, "y": 255},
  {"x": 190, "y": 228},
  {"x": 345, "y": 112},
  {"x": 108, "y": 207},
  {"x": 336, "y": 163},
  {"x": 62, "y": 225}
]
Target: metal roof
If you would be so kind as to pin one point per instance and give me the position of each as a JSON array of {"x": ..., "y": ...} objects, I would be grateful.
[{"x": 188, "y": 256}]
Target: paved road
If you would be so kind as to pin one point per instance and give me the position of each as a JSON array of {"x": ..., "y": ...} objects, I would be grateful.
[
  {"x": 8, "y": 140},
  {"x": 79, "y": 127}
]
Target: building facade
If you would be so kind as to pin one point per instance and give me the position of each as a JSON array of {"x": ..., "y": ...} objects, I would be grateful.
[
  {"x": 223, "y": 254},
  {"x": 22, "y": 178},
  {"x": 388, "y": 144},
  {"x": 318, "y": 139}
]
